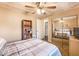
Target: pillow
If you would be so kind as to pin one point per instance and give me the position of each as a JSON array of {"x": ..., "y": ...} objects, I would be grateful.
[{"x": 2, "y": 45}]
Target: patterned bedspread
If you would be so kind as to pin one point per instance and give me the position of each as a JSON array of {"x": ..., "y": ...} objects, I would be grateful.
[{"x": 31, "y": 47}]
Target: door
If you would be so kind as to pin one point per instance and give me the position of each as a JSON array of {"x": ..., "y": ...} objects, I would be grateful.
[
  {"x": 26, "y": 29},
  {"x": 39, "y": 29},
  {"x": 46, "y": 31}
]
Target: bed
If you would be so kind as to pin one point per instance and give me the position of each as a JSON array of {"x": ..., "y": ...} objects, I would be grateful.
[
  {"x": 65, "y": 34},
  {"x": 29, "y": 47}
]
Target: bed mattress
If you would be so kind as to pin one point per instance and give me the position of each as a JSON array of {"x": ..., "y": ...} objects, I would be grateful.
[{"x": 31, "y": 47}]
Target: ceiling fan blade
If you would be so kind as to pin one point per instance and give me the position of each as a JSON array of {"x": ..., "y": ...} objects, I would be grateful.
[
  {"x": 33, "y": 12},
  {"x": 51, "y": 7},
  {"x": 29, "y": 6},
  {"x": 38, "y": 4}
]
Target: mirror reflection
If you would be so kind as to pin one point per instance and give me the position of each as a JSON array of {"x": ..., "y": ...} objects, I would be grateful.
[{"x": 64, "y": 29}]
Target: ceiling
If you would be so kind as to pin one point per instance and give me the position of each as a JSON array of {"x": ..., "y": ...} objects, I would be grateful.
[{"x": 60, "y": 6}]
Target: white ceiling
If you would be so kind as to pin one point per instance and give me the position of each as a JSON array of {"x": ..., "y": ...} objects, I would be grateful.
[{"x": 60, "y": 6}]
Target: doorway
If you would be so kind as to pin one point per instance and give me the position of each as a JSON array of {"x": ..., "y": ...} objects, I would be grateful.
[
  {"x": 46, "y": 31},
  {"x": 26, "y": 29}
]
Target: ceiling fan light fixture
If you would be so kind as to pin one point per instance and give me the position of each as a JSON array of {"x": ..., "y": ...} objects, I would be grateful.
[
  {"x": 39, "y": 11},
  {"x": 43, "y": 11}
]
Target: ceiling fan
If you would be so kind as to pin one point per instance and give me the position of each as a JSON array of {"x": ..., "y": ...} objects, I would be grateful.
[{"x": 40, "y": 5}]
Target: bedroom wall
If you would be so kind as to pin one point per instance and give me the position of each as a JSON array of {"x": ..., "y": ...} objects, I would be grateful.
[
  {"x": 10, "y": 23},
  {"x": 49, "y": 28}
]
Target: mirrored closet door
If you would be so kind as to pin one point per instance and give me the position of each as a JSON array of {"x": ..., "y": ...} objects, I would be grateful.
[{"x": 64, "y": 29}]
